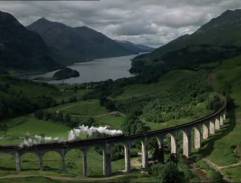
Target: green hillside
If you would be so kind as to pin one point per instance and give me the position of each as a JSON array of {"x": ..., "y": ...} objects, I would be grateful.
[
  {"x": 218, "y": 39},
  {"x": 19, "y": 97},
  {"x": 158, "y": 102},
  {"x": 227, "y": 150}
]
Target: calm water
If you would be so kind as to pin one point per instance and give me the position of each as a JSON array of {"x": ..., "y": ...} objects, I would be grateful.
[{"x": 97, "y": 70}]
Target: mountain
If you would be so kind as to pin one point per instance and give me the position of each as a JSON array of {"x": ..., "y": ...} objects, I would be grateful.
[
  {"x": 218, "y": 39},
  {"x": 76, "y": 44},
  {"x": 135, "y": 48},
  {"x": 22, "y": 49}
]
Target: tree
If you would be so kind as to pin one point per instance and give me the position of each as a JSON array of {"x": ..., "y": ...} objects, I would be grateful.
[
  {"x": 3, "y": 127},
  {"x": 168, "y": 173},
  {"x": 171, "y": 174},
  {"x": 90, "y": 122},
  {"x": 107, "y": 103},
  {"x": 66, "y": 118},
  {"x": 39, "y": 114},
  {"x": 133, "y": 125},
  {"x": 215, "y": 103},
  {"x": 158, "y": 154}
]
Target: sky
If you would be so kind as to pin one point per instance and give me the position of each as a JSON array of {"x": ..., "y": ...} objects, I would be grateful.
[{"x": 149, "y": 22}]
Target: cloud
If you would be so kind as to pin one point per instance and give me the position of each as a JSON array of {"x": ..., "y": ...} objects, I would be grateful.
[{"x": 151, "y": 22}]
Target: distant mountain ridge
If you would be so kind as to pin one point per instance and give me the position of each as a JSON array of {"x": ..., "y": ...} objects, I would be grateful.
[
  {"x": 220, "y": 38},
  {"x": 135, "y": 48},
  {"x": 45, "y": 45},
  {"x": 22, "y": 49},
  {"x": 75, "y": 44}
]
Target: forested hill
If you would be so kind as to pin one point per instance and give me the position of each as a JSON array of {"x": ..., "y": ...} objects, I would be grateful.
[
  {"x": 22, "y": 96},
  {"x": 218, "y": 39},
  {"x": 21, "y": 49},
  {"x": 76, "y": 44}
]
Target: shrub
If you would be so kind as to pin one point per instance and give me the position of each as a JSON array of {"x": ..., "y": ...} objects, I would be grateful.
[
  {"x": 168, "y": 173},
  {"x": 215, "y": 177}
]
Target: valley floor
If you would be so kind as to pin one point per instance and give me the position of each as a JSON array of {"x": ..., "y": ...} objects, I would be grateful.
[{"x": 223, "y": 154}]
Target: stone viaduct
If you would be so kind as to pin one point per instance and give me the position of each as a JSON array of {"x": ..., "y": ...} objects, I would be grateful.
[{"x": 193, "y": 133}]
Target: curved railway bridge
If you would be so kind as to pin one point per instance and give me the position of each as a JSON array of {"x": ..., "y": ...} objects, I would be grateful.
[{"x": 200, "y": 129}]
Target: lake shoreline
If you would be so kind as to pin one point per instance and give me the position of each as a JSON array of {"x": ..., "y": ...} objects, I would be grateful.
[{"x": 93, "y": 71}]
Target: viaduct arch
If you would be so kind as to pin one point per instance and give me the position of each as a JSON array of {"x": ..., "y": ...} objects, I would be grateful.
[{"x": 201, "y": 130}]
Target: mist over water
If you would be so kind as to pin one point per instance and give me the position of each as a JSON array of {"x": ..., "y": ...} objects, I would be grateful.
[{"x": 97, "y": 70}]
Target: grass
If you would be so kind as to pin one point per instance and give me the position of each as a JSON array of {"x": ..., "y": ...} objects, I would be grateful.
[
  {"x": 29, "y": 180},
  {"x": 229, "y": 72},
  {"x": 53, "y": 164},
  {"x": 224, "y": 149},
  {"x": 92, "y": 108},
  {"x": 233, "y": 173},
  {"x": 82, "y": 108},
  {"x": 224, "y": 153},
  {"x": 132, "y": 178},
  {"x": 21, "y": 126},
  {"x": 161, "y": 88},
  {"x": 110, "y": 120}
]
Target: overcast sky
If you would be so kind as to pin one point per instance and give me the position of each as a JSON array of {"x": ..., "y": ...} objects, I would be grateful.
[{"x": 150, "y": 22}]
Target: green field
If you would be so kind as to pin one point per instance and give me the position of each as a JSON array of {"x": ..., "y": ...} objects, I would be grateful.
[
  {"x": 161, "y": 88},
  {"x": 82, "y": 108},
  {"x": 93, "y": 109},
  {"x": 20, "y": 127}
]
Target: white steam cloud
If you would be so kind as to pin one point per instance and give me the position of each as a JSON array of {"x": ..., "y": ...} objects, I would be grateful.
[
  {"x": 37, "y": 139},
  {"x": 75, "y": 133}
]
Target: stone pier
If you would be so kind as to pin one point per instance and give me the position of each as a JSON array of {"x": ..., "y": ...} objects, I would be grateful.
[
  {"x": 85, "y": 162},
  {"x": 127, "y": 157},
  {"x": 144, "y": 154},
  {"x": 217, "y": 124},
  {"x": 197, "y": 138},
  {"x": 40, "y": 158},
  {"x": 62, "y": 153},
  {"x": 107, "y": 169},
  {"x": 221, "y": 121},
  {"x": 205, "y": 131},
  {"x": 18, "y": 161},
  {"x": 212, "y": 127},
  {"x": 173, "y": 144},
  {"x": 186, "y": 142}
]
